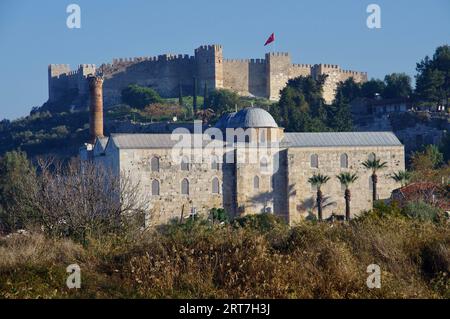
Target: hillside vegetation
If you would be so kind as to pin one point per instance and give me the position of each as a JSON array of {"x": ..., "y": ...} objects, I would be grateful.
[{"x": 257, "y": 258}]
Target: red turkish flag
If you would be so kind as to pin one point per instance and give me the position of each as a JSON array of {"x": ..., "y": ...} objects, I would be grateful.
[{"x": 270, "y": 39}]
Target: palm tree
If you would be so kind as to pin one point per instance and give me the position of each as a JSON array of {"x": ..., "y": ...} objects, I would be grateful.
[
  {"x": 317, "y": 180},
  {"x": 374, "y": 165},
  {"x": 402, "y": 177},
  {"x": 346, "y": 179}
]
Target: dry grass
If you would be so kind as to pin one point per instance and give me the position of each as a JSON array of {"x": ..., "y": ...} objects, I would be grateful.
[{"x": 269, "y": 261}]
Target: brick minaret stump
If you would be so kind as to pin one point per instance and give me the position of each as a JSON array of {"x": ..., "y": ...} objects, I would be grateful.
[{"x": 95, "y": 108}]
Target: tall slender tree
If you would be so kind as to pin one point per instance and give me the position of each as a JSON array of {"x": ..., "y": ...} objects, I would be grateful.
[
  {"x": 374, "y": 165},
  {"x": 180, "y": 94},
  {"x": 205, "y": 97},
  {"x": 346, "y": 179},
  {"x": 194, "y": 95},
  {"x": 317, "y": 180}
]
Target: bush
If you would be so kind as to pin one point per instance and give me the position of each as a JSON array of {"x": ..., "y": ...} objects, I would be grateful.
[
  {"x": 422, "y": 211},
  {"x": 139, "y": 97}
]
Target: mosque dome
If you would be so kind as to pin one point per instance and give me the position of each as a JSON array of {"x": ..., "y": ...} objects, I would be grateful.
[{"x": 250, "y": 117}]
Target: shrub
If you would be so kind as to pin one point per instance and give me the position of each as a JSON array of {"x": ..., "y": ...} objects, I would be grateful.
[
  {"x": 422, "y": 211},
  {"x": 138, "y": 96}
]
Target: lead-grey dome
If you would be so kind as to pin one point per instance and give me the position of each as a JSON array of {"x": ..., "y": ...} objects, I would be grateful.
[{"x": 245, "y": 118}]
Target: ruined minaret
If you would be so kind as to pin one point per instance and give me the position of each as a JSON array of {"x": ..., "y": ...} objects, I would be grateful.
[{"x": 95, "y": 108}]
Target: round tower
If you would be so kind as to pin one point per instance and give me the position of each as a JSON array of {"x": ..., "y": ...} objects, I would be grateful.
[{"x": 95, "y": 108}]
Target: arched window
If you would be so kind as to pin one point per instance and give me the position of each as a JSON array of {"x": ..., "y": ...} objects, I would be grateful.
[
  {"x": 262, "y": 135},
  {"x": 372, "y": 156},
  {"x": 185, "y": 164},
  {"x": 256, "y": 182},
  {"x": 264, "y": 165},
  {"x": 315, "y": 161},
  {"x": 215, "y": 163},
  {"x": 344, "y": 160},
  {"x": 154, "y": 164},
  {"x": 155, "y": 187},
  {"x": 185, "y": 186},
  {"x": 370, "y": 183},
  {"x": 215, "y": 186},
  {"x": 272, "y": 182}
]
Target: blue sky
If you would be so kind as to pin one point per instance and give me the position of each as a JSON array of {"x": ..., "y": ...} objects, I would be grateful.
[{"x": 34, "y": 34}]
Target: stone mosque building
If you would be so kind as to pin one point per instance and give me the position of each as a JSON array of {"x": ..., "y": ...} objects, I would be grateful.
[{"x": 259, "y": 169}]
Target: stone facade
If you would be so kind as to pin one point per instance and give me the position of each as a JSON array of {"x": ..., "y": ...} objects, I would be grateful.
[
  {"x": 246, "y": 186},
  {"x": 165, "y": 73},
  {"x": 302, "y": 196}
]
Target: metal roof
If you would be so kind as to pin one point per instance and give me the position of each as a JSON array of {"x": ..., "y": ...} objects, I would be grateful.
[
  {"x": 137, "y": 141},
  {"x": 340, "y": 139}
]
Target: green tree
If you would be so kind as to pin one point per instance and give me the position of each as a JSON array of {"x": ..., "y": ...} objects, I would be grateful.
[
  {"x": 433, "y": 77},
  {"x": 372, "y": 87},
  {"x": 17, "y": 177},
  {"x": 445, "y": 146},
  {"x": 348, "y": 90},
  {"x": 205, "y": 96},
  {"x": 402, "y": 177},
  {"x": 317, "y": 180},
  {"x": 180, "y": 94},
  {"x": 347, "y": 179},
  {"x": 194, "y": 95},
  {"x": 398, "y": 85},
  {"x": 222, "y": 100},
  {"x": 340, "y": 117},
  {"x": 301, "y": 105},
  {"x": 374, "y": 165},
  {"x": 139, "y": 97},
  {"x": 431, "y": 155}
]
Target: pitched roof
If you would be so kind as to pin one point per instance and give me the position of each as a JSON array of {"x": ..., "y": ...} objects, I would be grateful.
[
  {"x": 341, "y": 139},
  {"x": 139, "y": 141}
]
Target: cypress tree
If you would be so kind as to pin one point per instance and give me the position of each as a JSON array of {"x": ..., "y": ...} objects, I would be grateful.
[
  {"x": 180, "y": 94},
  {"x": 194, "y": 95},
  {"x": 205, "y": 96}
]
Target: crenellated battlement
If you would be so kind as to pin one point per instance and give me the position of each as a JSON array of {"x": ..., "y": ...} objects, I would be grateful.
[
  {"x": 237, "y": 60},
  {"x": 258, "y": 61},
  {"x": 211, "y": 47},
  {"x": 303, "y": 66},
  {"x": 263, "y": 77},
  {"x": 286, "y": 54}
]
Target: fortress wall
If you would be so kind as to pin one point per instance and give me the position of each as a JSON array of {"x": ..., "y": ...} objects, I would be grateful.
[
  {"x": 297, "y": 70},
  {"x": 335, "y": 75},
  {"x": 359, "y": 77},
  {"x": 257, "y": 81},
  {"x": 236, "y": 76},
  {"x": 257, "y": 77},
  {"x": 163, "y": 73},
  {"x": 277, "y": 73},
  {"x": 209, "y": 66},
  {"x": 61, "y": 80}
]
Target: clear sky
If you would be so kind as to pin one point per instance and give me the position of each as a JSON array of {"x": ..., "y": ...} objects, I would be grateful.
[{"x": 34, "y": 34}]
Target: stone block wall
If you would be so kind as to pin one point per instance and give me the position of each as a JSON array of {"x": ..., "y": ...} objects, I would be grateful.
[
  {"x": 169, "y": 204},
  {"x": 302, "y": 196},
  {"x": 165, "y": 73}
]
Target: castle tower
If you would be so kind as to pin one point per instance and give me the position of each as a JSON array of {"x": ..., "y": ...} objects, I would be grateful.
[
  {"x": 209, "y": 70},
  {"x": 95, "y": 108},
  {"x": 57, "y": 80},
  {"x": 278, "y": 65}
]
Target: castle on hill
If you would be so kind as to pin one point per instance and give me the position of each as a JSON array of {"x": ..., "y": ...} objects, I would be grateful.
[{"x": 166, "y": 73}]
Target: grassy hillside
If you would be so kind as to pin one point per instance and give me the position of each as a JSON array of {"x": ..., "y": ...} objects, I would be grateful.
[{"x": 259, "y": 257}]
